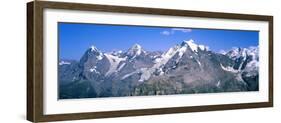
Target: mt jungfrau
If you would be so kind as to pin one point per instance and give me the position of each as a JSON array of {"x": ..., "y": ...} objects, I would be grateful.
[{"x": 185, "y": 68}]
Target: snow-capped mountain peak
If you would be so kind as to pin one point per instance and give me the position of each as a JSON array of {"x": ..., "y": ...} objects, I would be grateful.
[
  {"x": 246, "y": 59},
  {"x": 136, "y": 46},
  {"x": 180, "y": 50},
  {"x": 203, "y": 47},
  {"x": 94, "y": 48},
  {"x": 135, "y": 50},
  {"x": 194, "y": 47},
  {"x": 237, "y": 52}
]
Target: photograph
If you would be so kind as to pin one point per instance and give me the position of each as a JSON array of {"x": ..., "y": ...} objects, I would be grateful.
[{"x": 105, "y": 60}]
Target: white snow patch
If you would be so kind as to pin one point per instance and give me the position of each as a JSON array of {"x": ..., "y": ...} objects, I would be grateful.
[
  {"x": 202, "y": 47},
  {"x": 116, "y": 53},
  {"x": 157, "y": 60},
  {"x": 95, "y": 49},
  {"x": 252, "y": 68},
  {"x": 198, "y": 62},
  {"x": 129, "y": 74},
  {"x": 146, "y": 73},
  {"x": 182, "y": 50},
  {"x": 155, "y": 56},
  {"x": 218, "y": 84},
  {"x": 120, "y": 51},
  {"x": 222, "y": 52},
  {"x": 160, "y": 70},
  {"x": 192, "y": 45},
  {"x": 234, "y": 53},
  {"x": 99, "y": 57},
  {"x": 114, "y": 62},
  {"x": 64, "y": 63},
  {"x": 165, "y": 57},
  {"x": 228, "y": 68},
  {"x": 94, "y": 69},
  {"x": 121, "y": 66},
  {"x": 253, "y": 64}
]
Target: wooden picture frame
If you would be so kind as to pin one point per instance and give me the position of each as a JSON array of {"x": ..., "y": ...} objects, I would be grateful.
[{"x": 35, "y": 68}]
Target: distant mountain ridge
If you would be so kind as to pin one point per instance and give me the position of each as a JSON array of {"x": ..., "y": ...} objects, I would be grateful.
[{"x": 185, "y": 68}]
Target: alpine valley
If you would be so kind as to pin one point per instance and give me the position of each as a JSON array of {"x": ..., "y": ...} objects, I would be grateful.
[{"x": 186, "y": 68}]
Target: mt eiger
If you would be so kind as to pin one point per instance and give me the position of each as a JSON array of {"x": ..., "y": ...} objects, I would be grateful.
[{"x": 186, "y": 68}]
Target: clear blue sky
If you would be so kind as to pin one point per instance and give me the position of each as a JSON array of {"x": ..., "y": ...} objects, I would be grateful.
[{"x": 75, "y": 39}]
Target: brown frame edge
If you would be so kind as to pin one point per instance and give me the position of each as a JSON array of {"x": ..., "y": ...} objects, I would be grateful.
[
  {"x": 30, "y": 89},
  {"x": 35, "y": 60}
]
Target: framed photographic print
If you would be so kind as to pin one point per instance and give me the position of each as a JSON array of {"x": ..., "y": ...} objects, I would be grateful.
[{"x": 96, "y": 61}]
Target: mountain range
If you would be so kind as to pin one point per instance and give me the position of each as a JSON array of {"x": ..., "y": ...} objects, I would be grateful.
[{"x": 186, "y": 68}]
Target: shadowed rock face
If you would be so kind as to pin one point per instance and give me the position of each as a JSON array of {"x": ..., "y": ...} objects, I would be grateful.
[{"x": 184, "y": 69}]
